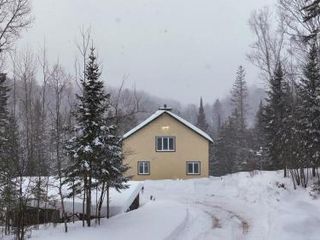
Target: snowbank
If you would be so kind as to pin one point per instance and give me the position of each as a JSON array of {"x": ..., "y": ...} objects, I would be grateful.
[
  {"x": 261, "y": 206},
  {"x": 156, "y": 220}
]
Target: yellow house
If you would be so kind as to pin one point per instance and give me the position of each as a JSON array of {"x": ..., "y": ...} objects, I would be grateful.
[{"x": 166, "y": 146}]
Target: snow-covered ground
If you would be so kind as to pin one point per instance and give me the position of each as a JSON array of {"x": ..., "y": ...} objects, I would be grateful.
[{"x": 263, "y": 206}]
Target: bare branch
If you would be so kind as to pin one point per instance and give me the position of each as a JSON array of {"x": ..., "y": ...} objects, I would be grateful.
[
  {"x": 268, "y": 49},
  {"x": 15, "y": 15}
]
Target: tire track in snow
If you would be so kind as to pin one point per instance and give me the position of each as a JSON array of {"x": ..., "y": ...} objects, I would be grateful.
[
  {"x": 225, "y": 224},
  {"x": 244, "y": 223},
  {"x": 240, "y": 226}
]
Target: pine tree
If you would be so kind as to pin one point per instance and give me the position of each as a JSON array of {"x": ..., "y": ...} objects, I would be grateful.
[
  {"x": 201, "y": 119},
  {"x": 309, "y": 122},
  {"x": 259, "y": 126},
  {"x": 3, "y": 108},
  {"x": 4, "y": 117},
  {"x": 94, "y": 150},
  {"x": 93, "y": 104},
  {"x": 275, "y": 111},
  {"x": 227, "y": 151},
  {"x": 259, "y": 138},
  {"x": 217, "y": 115},
  {"x": 110, "y": 170},
  {"x": 8, "y": 153},
  {"x": 289, "y": 137},
  {"x": 9, "y": 166},
  {"x": 239, "y": 97}
]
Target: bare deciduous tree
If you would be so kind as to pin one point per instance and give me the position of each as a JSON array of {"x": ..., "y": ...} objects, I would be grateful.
[
  {"x": 83, "y": 48},
  {"x": 267, "y": 50},
  {"x": 58, "y": 83},
  {"x": 15, "y": 15}
]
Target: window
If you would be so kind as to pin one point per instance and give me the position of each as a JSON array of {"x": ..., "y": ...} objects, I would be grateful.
[
  {"x": 143, "y": 168},
  {"x": 193, "y": 168},
  {"x": 165, "y": 144}
]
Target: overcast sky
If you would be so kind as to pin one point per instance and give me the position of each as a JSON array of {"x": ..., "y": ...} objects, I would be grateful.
[{"x": 178, "y": 49}]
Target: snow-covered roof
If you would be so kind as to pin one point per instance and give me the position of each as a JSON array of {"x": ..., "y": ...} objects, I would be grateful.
[
  {"x": 180, "y": 119},
  {"x": 120, "y": 201}
]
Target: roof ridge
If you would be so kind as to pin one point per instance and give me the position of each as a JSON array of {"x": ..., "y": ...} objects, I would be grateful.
[{"x": 157, "y": 114}]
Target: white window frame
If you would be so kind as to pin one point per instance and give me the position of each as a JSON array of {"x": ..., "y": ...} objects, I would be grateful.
[
  {"x": 193, "y": 164},
  {"x": 143, "y": 164},
  {"x": 162, "y": 143}
]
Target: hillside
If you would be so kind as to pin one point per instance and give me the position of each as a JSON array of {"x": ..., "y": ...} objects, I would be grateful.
[{"x": 262, "y": 206}]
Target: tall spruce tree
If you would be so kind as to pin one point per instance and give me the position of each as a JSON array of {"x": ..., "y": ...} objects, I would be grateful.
[
  {"x": 95, "y": 150},
  {"x": 7, "y": 166},
  {"x": 4, "y": 122},
  {"x": 4, "y": 114},
  {"x": 259, "y": 126},
  {"x": 309, "y": 122},
  {"x": 259, "y": 141},
  {"x": 239, "y": 97},
  {"x": 227, "y": 150},
  {"x": 110, "y": 171},
  {"x": 217, "y": 117},
  {"x": 289, "y": 134},
  {"x": 201, "y": 118},
  {"x": 90, "y": 117},
  {"x": 275, "y": 110}
]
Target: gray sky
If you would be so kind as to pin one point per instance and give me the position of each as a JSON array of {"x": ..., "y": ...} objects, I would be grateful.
[{"x": 179, "y": 49}]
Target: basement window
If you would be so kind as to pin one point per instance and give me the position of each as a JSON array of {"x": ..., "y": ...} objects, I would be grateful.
[
  {"x": 143, "y": 168},
  {"x": 165, "y": 144},
  {"x": 193, "y": 168}
]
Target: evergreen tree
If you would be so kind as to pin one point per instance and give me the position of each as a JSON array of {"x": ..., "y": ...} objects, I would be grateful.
[
  {"x": 224, "y": 150},
  {"x": 201, "y": 119},
  {"x": 229, "y": 156},
  {"x": 94, "y": 150},
  {"x": 3, "y": 109},
  {"x": 93, "y": 104},
  {"x": 259, "y": 127},
  {"x": 8, "y": 153},
  {"x": 239, "y": 97},
  {"x": 259, "y": 139},
  {"x": 289, "y": 137},
  {"x": 4, "y": 118},
  {"x": 110, "y": 170},
  {"x": 217, "y": 115},
  {"x": 309, "y": 122},
  {"x": 9, "y": 166},
  {"x": 275, "y": 110}
]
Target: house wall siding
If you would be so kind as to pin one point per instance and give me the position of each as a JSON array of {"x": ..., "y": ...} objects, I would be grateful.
[{"x": 190, "y": 146}]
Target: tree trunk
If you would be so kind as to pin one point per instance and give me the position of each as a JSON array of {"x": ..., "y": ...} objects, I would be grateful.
[
  {"x": 73, "y": 201},
  {"x": 101, "y": 201},
  {"x": 96, "y": 214},
  {"x": 108, "y": 201},
  {"x": 89, "y": 202},
  {"x": 293, "y": 179},
  {"x": 38, "y": 199},
  {"x": 84, "y": 202},
  {"x": 313, "y": 171},
  {"x": 64, "y": 214}
]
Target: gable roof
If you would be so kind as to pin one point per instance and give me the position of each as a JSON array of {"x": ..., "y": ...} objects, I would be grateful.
[{"x": 179, "y": 119}]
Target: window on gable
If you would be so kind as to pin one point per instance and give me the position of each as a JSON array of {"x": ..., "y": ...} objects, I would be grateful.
[
  {"x": 165, "y": 144},
  {"x": 193, "y": 168},
  {"x": 143, "y": 168}
]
